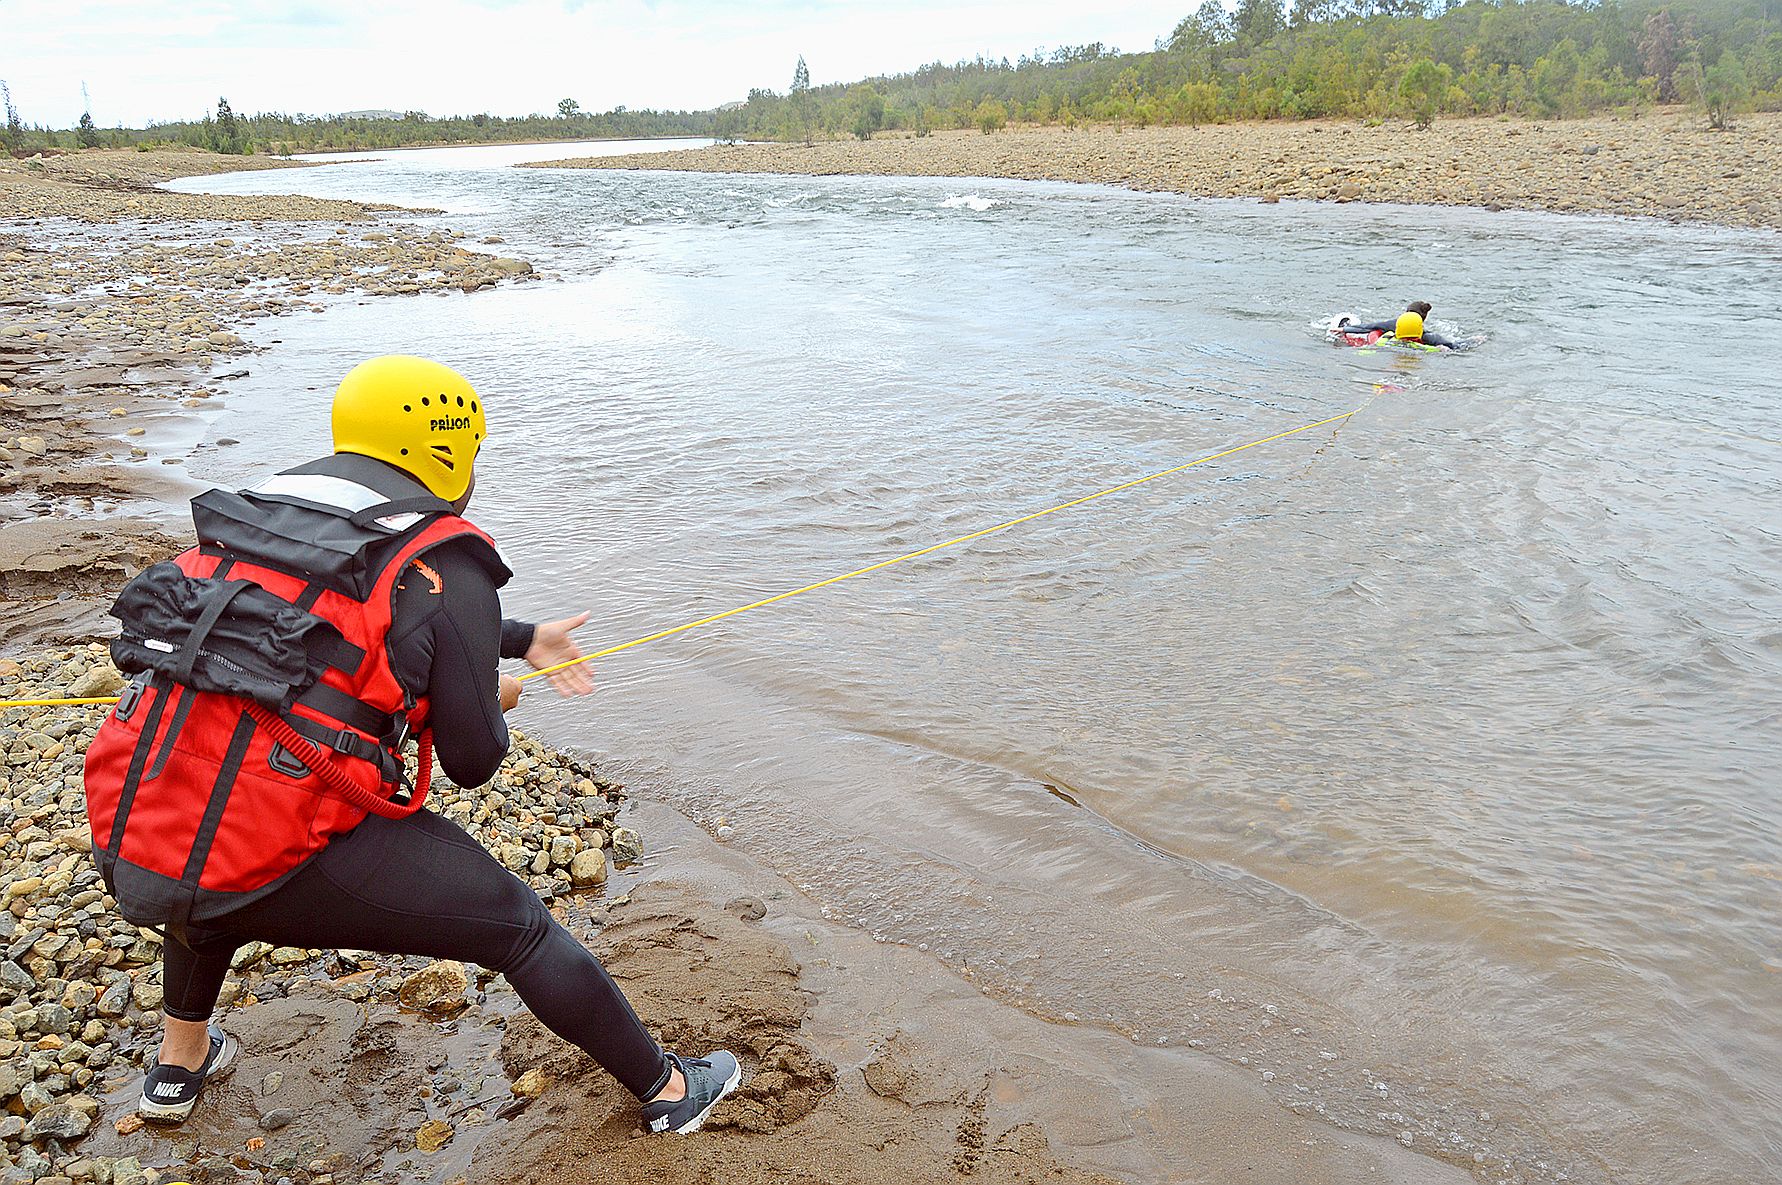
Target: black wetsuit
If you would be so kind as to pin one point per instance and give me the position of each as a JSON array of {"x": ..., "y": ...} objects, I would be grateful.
[
  {"x": 1428, "y": 338},
  {"x": 421, "y": 885}
]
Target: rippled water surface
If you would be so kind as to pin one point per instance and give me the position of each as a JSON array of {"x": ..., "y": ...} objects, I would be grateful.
[{"x": 1426, "y": 761}]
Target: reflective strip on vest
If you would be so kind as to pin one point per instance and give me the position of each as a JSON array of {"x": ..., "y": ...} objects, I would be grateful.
[{"x": 338, "y": 492}]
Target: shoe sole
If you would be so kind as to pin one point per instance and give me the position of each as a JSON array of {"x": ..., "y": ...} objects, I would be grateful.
[
  {"x": 153, "y": 1112},
  {"x": 693, "y": 1124},
  {"x": 166, "y": 1113}
]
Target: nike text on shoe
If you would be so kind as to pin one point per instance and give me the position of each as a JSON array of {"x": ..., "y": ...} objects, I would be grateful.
[
  {"x": 170, "y": 1092},
  {"x": 709, "y": 1079}
]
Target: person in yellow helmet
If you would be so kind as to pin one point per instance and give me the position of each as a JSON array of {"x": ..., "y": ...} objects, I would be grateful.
[
  {"x": 395, "y": 596},
  {"x": 1408, "y": 326}
]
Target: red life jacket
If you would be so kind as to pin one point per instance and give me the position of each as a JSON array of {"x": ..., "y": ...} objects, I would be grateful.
[{"x": 212, "y": 781}]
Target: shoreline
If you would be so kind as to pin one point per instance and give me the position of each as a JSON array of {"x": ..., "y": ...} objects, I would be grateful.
[
  {"x": 301, "y": 158},
  {"x": 1662, "y": 165}
]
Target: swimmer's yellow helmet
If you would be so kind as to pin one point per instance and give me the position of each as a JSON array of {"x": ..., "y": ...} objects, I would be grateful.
[
  {"x": 415, "y": 414},
  {"x": 1409, "y": 327}
]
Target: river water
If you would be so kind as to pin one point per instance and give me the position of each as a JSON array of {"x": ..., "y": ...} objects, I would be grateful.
[{"x": 1424, "y": 763}]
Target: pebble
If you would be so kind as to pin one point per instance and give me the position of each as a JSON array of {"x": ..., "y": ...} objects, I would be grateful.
[
  {"x": 59, "y": 1121},
  {"x": 627, "y": 846},
  {"x": 438, "y": 987},
  {"x": 433, "y": 1135},
  {"x": 100, "y": 680},
  {"x": 749, "y": 909},
  {"x": 588, "y": 868},
  {"x": 114, "y": 999},
  {"x": 278, "y": 1117}
]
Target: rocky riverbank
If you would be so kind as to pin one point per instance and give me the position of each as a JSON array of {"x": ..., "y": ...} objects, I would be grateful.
[
  {"x": 1663, "y": 165},
  {"x": 120, "y": 306}
]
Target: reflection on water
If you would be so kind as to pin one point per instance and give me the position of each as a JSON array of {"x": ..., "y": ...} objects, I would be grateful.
[{"x": 1424, "y": 761}]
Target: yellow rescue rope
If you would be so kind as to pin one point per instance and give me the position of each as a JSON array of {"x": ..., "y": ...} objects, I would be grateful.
[{"x": 681, "y": 629}]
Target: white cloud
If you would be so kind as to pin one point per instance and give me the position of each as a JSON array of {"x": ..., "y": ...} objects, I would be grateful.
[{"x": 154, "y": 61}]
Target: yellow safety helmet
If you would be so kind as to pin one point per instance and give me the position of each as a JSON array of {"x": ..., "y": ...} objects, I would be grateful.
[
  {"x": 415, "y": 414},
  {"x": 1409, "y": 327}
]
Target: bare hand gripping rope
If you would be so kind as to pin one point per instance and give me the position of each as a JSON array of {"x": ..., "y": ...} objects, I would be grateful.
[{"x": 681, "y": 629}]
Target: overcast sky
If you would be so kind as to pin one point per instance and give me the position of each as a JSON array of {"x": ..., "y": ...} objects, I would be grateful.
[{"x": 150, "y": 60}]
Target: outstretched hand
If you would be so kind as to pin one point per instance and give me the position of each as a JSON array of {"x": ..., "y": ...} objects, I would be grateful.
[{"x": 551, "y": 644}]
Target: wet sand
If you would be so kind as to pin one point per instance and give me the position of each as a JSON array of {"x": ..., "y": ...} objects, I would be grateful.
[
  {"x": 868, "y": 1062},
  {"x": 1665, "y": 165}
]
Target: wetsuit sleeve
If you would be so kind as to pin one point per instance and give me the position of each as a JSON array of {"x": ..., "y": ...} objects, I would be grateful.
[
  {"x": 446, "y": 637},
  {"x": 1370, "y": 327},
  {"x": 516, "y": 638},
  {"x": 1436, "y": 339}
]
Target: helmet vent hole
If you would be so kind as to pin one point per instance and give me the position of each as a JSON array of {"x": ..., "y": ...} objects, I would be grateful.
[
  {"x": 408, "y": 407},
  {"x": 473, "y": 405},
  {"x": 460, "y": 401},
  {"x": 423, "y": 401},
  {"x": 405, "y": 452}
]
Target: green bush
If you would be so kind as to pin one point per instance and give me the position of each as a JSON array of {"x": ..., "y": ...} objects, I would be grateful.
[
  {"x": 869, "y": 111},
  {"x": 1725, "y": 90},
  {"x": 1423, "y": 88}
]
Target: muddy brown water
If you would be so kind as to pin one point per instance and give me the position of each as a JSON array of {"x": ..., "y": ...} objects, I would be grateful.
[{"x": 1423, "y": 765}]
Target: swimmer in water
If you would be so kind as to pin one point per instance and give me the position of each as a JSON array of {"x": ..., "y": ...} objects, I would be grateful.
[{"x": 1407, "y": 327}]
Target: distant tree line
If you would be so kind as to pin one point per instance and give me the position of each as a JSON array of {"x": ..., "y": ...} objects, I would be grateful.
[
  {"x": 1262, "y": 59},
  {"x": 1307, "y": 59},
  {"x": 224, "y": 130}
]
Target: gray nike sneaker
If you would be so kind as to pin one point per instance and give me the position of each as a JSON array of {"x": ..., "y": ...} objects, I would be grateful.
[
  {"x": 170, "y": 1092},
  {"x": 709, "y": 1079}
]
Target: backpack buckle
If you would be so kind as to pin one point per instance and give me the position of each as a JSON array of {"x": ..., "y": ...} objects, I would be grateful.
[
  {"x": 283, "y": 761},
  {"x": 130, "y": 697}
]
